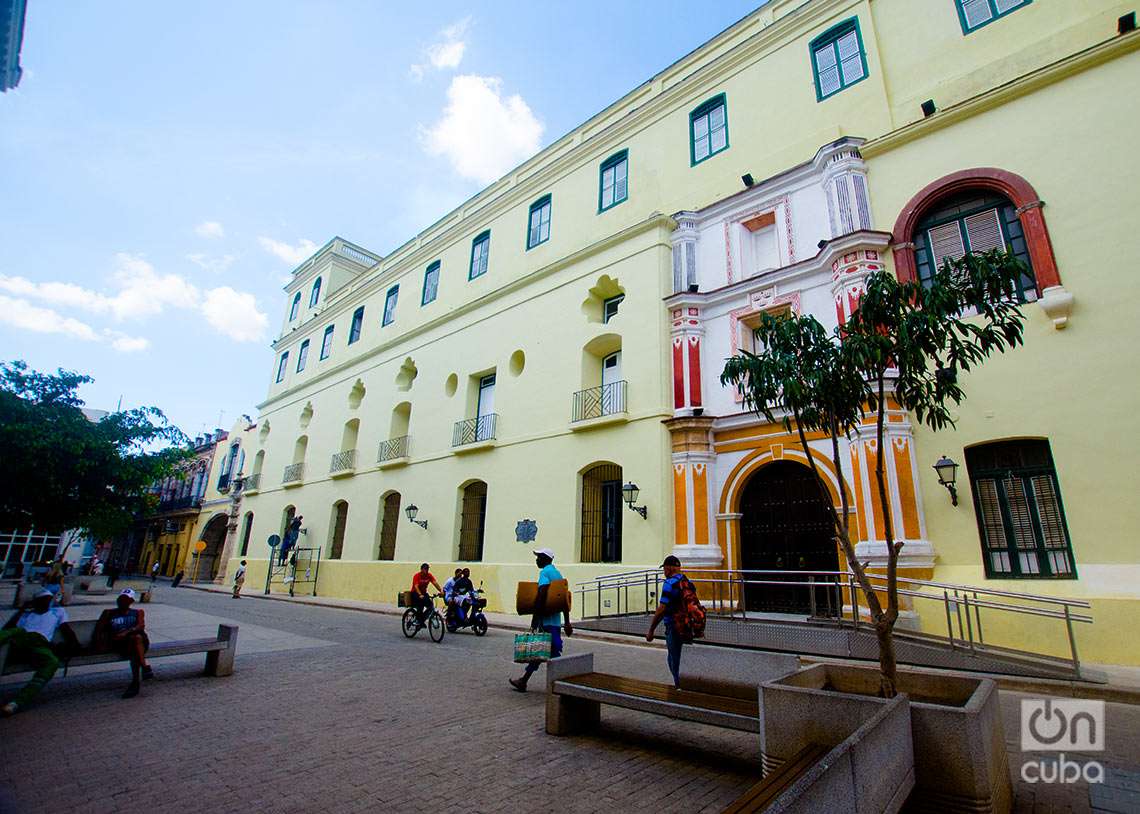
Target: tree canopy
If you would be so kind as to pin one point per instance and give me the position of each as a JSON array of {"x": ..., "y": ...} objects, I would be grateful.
[{"x": 60, "y": 470}]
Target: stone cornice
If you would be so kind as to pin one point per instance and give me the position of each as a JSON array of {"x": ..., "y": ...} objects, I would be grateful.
[{"x": 1022, "y": 86}]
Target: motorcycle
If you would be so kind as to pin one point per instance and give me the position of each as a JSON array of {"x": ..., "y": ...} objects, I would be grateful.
[{"x": 468, "y": 614}]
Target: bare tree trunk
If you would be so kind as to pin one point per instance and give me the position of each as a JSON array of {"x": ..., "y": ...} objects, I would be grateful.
[
  {"x": 884, "y": 626},
  {"x": 884, "y": 632}
]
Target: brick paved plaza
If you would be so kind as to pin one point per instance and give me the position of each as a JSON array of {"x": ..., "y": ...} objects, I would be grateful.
[{"x": 334, "y": 710}]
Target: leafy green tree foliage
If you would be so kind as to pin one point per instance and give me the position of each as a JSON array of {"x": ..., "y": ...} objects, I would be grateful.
[
  {"x": 61, "y": 471},
  {"x": 907, "y": 342}
]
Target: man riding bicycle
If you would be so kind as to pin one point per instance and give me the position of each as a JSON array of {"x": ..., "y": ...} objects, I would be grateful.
[{"x": 421, "y": 600}]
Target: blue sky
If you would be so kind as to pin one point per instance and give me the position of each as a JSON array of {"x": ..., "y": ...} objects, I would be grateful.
[{"x": 163, "y": 166}]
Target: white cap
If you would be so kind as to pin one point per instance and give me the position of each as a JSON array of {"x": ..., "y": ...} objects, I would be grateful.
[
  {"x": 130, "y": 593},
  {"x": 546, "y": 552},
  {"x": 44, "y": 592}
]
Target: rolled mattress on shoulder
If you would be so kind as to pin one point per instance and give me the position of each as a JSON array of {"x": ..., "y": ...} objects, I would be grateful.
[{"x": 557, "y": 597}]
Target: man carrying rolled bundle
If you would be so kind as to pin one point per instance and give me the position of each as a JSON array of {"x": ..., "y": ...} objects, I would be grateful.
[{"x": 549, "y": 622}]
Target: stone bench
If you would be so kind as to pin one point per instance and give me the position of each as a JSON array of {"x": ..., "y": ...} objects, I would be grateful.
[
  {"x": 761, "y": 796},
  {"x": 220, "y": 651},
  {"x": 718, "y": 687}
]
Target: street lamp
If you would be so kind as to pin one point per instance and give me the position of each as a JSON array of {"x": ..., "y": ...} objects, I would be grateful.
[
  {"x": 411, "y": 512},
  {"x": 630, "y": 493},
  {"x": 947, "y": 474}
]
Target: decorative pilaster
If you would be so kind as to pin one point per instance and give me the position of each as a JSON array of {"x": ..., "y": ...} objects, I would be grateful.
[
  {"x": 686, "y": 333},
  {"x": 845, "y": 183},
  {"x": 684, "y": 252},
  {"x": 694, "y": 522}
]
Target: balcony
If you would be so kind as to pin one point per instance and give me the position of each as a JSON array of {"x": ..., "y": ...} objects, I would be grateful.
[
  {"x": 343, "y": 463},
  {"x": 393, "y": 452},
  {"x": 599, "y": 405},
  {"x": 253, "y": 483},
  {"x": 475, "y": 433},
  {"x": 294, "y": 474},
  {"x": 177, "y": 503}
]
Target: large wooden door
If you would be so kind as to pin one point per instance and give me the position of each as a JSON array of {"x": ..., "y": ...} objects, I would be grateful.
[{"x": 786, "y": 527}]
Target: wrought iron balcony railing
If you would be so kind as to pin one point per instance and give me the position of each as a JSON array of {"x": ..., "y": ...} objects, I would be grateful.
[
  {"x": 609, "y": 399},
  {"x": 343, "y": 461},
  {"x": 473, "y": 430},
  {"x": 393, "y": 448},
  {"x": 293, "y": 473},
  {"x": 172, "y": 504},
  {"x": 253, "y": 482}
]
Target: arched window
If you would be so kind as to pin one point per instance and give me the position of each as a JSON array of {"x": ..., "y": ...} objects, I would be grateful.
[
  {"x": 472, "y": 521},
  {"x": 601, "y": 513},
  {"x": 295, "y": 307},
  {"x": 258, "y": 461},
  {"x": 389, "y": 523},
  {"x": 336, "y": 529},
  {"x": 971, "y": 221},
  {"x": 315, "y": 295},
  {"x": 1021, "y": 519},
  {"x": 246, "y": 530}
]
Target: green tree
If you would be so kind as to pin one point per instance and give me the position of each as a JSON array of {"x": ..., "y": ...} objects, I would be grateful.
[
  {"x": 907, "y": 342},
  {"x": 62, "y": 471}
]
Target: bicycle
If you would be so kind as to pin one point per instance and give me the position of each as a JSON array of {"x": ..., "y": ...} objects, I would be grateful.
[{"x": 434, "y": 623}]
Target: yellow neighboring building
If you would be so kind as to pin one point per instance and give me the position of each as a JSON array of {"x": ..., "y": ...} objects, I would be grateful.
[{"x": 560, "y": 334}]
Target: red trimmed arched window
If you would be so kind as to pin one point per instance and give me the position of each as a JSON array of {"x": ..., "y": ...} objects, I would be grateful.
[{"x": 1019, "y": 219}]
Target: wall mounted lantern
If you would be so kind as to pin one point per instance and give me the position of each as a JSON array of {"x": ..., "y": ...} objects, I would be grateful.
[
  {"x": 630, "y": 493},
  {"x": 411, "y": 512},
  {"x": 947, "y": 474}
]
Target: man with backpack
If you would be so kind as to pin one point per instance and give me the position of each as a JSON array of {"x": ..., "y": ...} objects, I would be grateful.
[{"x": 684, "y": 617}]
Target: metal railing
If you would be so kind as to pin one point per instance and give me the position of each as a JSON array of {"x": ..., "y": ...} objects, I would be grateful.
[
  {"x": 173, "y": 504},
  {"x": 343, "y": 461},
  {"x": 596, "y": 402},
  {"x": 253, "y": 482},
  {"x": 293, "y": 473},
  {"x": 393, "y": 448},
  {"x": 473, "y": 430},
  {"x": 836, "y": 596}
]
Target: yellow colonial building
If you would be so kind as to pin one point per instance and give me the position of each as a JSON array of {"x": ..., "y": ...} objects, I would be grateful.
[{"x": 561, "y": 334}]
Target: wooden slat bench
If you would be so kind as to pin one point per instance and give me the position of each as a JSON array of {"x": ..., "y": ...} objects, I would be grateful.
[
  {"x": 220, "y": 651},
  {"x": 760, "y": 796}
]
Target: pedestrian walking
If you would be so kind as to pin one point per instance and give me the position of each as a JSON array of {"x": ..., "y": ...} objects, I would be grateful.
[
  {"x": 154, "y": 573},
  {"x": 30, "y": 633},
  {"x": 549, "y": 622},
  {"x": 667, "y": 608},
  {"x": 239, "y": 580}
]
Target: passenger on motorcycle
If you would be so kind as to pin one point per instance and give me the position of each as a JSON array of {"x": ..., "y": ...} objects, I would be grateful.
[
  {"x": 464, "y": 593},
  {"x": 421, "y": 600},
  {"x": 449, "y": 589}
]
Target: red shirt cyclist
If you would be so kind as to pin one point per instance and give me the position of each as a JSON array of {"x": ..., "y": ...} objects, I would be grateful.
[{"x": 421, "y": 601}]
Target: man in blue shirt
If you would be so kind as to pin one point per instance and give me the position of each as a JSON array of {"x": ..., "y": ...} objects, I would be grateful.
[
  {"x": 549, "y": 622},
  {"x": 669, "y": 605}
]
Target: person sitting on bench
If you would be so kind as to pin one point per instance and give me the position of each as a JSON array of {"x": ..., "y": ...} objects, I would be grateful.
[
  {"x": 122, "y": 629},
  {"x": 30, "y": 633}
]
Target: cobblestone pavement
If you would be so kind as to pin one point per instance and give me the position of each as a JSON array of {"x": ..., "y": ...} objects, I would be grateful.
[{"x": 336, "y": 711}]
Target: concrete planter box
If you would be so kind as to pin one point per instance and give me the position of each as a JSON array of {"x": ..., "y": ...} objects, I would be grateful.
[{"x": 960, "y": 760}]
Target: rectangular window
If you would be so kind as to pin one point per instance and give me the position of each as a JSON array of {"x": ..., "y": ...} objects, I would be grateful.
[
  {"x": 357, "y": 325},
  {"x": 390, "y": 305},
  {"x": 302, "y": 355},
  {"x": 281, "y": 366},
  {"x": 708, "y": 129},
  {"x": 326, "y": 343},
  {"x": 614, "y": 181},
  {"x": 838, "y": 60},
  {"x": 431, "y": 283},
  {"x": 1021, "y": 521},
  {"x": 610, "y": 307},
  {"x": 974, "y": 14},
  {"x": 480, "y": 254},
  {"x": 539, "y": 228}
]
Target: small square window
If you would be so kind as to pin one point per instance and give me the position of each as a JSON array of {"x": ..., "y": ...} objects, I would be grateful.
[
  {"x": 610, "y": 307},
  {"x": 838, "y": 59},
  {"x": 480, "y": 255},
  {"x": 613, "y": 181},
  {"x": 390, "y": 305},
  {"x": 708, "y": 129},
  {"x": 431, "y": 283},
  {"x": 974, "y": 14},
  {"x": 538, "y": 230},
  {"x": 326, "y": 343}
]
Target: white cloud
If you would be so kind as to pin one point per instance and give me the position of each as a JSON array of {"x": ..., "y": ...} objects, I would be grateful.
[
  {"x": 20, "y": 313},
  {"x": 142, "y": 292},
  {"x": 482, "y": 133},
  {"x": 293, "y": 255},
  {"x": 210, "y": 229},
  {"x": 214, "y": 265},
  {"x": 235, "y": 314},
  {"x": 447, "y": 52}
]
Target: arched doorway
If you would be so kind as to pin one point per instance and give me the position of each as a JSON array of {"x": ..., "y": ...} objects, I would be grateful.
[
  {"x": 214, "y": 536},
  {"x": 786, "y": 526},
  {"x": 339, "y": 522},
  {"x": 389, "y": 522}
]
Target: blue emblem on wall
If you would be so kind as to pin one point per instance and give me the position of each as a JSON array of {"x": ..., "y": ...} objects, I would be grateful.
[{"x": 526, "y": 531}]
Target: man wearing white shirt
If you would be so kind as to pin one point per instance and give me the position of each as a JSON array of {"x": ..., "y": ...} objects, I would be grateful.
[{"x": 30, "y": 634}]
